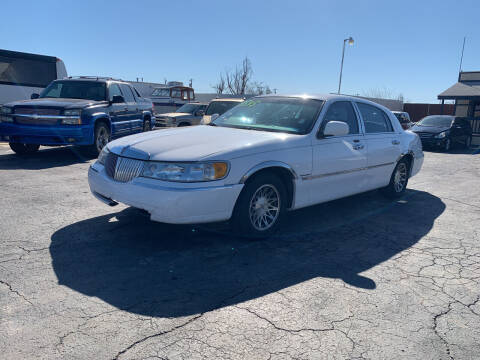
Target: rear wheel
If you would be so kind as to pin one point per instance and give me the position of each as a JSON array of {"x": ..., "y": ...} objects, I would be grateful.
[
  {"x": 398, "y": 180},
  {"x": 260, "y": 207},
  {"x": 23, "y": 149}
]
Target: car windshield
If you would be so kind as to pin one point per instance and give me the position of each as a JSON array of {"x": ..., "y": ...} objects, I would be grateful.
[
  {"x": 443, "y": 121},
  {"x": 188, "y": 108},
  {"x": 87, "y": 90},
  {"x": 220, "y": 107},
  {"x": 161, "y": 92},
  {"x": 279, "y": 114}
]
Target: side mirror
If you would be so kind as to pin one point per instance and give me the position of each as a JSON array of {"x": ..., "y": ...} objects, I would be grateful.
[
  {"x": 199, "y": 112},
  {"x": 34, "y": 96},
  {"x": 117, "y": 99},
  {"x": 214, "y": 117},
  {"x": 336, "y": 128}
]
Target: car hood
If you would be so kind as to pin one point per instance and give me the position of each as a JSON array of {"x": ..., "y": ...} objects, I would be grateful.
[
  {"x": 200, "y": 143},
  {"x": 429, "y": 129},
  {"x": 57, "y": 103},
  {"x": 174, "y": 115}
]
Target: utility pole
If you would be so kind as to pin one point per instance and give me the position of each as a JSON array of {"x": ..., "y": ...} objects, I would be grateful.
[
  {"x": 350, "y": 42},
  {"x": 461, "y": 58}
]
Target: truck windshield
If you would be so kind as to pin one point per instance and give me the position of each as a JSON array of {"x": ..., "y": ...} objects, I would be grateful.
[
  {"x": 87, "y": 90},
  {"x": 279, "y": 114}
]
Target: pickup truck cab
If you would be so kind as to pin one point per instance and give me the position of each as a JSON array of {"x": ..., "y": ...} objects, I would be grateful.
[
  {"x": 85, "y": 111},
  {"x": 186, "y": 115}
]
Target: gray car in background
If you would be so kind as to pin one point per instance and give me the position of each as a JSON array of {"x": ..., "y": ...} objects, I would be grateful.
[{"x": 186, "y": 115}]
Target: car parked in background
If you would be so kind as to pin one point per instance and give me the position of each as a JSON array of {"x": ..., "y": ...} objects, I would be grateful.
[
  {"x": 261, "y": 158},
  {"x": 84, "y": 111},
  {"x": 218, "y": 107},
  {"x": 443, "y": 131},
  {"x": 186, "y": 115},
  {"x": 404, "y": 119}
]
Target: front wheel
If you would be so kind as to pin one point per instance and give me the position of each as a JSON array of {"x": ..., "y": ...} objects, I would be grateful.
[
  {"x": 260, "y": 207},
  {"x": 101, "y": 137},
  {"x": 146, "y": 125},
  {"x": 24, "y": 149},
  {"x": 398, "y": 180},
  {"x": 468, "y": 142},
  {"x": 447, "y": 145}
]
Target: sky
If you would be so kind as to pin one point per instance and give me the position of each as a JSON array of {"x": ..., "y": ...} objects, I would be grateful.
[{"x": 411, "y": 48}]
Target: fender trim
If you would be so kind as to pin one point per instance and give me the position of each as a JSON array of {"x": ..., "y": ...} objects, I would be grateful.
[{"x": 265, "y": 165}]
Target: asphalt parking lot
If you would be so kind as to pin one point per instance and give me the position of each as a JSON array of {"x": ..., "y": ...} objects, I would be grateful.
[{"x": 357, "y": 278}]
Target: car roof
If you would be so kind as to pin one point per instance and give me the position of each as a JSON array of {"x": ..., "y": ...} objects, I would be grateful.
[
  {"x": 93, "y": 79},
  {"x": 327, "y": 97},
  {"x": 229, "y": 99}
]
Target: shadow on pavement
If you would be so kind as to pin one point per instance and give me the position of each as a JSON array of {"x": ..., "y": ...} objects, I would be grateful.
[
  {"x": 45, "y": 158},
  {"x": 170, "y": 271}
]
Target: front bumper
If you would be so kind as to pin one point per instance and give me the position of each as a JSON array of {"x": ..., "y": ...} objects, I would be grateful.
[
  {"x": 47, "y": 135},
  {"x": 164, "y": 201},
  {"x": 433, "y": 142}
]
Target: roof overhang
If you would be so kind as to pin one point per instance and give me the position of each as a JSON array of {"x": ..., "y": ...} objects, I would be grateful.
[{"x": 462, "y": 91}]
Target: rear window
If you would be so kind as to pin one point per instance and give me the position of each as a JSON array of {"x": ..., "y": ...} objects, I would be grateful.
[
  {"x": 27, "y": 72},
  {"x": 220, "y": 107}
]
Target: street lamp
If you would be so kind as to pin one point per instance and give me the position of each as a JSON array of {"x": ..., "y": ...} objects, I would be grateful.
[{"x": 350, "y": 42}]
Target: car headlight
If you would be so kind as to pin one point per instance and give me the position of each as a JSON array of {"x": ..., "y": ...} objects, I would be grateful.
[
  {"x": 102, "y": 157},
  {"x": 185, "y": 172},
  {"x": 6, "y": 110},
  {"x": 5, "y": 113},
  {"x": 441, "y": 135},
  {"x": 74, "y": 117}
]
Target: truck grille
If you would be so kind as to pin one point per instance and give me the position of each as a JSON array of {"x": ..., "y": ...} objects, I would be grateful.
[
  {"x": 122, "y": 169},
  {"x": 33, "y": 120}
]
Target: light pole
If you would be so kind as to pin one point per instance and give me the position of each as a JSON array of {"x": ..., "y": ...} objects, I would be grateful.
[{"x": 350, "y": 42}]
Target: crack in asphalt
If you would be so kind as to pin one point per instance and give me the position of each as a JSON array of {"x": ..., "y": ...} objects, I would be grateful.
[{"x": 15, "y": 291}]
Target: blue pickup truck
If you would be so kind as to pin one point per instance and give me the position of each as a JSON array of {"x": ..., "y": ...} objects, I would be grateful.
[{"x": 84, "y": 111}]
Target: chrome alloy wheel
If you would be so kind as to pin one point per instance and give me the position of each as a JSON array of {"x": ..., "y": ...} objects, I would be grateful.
[
  {"x": 102, "y": 138},
  {"x": 400, "y": 178},
  {"x": 264, "y": 207}
]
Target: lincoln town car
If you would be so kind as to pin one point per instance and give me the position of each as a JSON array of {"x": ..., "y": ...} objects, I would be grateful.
[{"x": 259, "y": 160}]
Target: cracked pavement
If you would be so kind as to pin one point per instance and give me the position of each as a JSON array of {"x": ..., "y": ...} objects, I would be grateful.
[{"x": 357, "y": 278}]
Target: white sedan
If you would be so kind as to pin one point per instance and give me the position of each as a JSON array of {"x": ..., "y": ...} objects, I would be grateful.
[{"x": 262, "y": 158}]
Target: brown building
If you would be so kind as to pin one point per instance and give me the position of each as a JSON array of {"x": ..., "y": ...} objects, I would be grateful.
[{"x": 466, "y": 93}]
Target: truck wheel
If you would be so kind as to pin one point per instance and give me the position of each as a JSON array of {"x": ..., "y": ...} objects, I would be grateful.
[
  {"x": 24, "y": 149},
  {"x": 398, "y": 180},
  {"x": 260, "y": 207},
  {"x": 101, "y": 137}
]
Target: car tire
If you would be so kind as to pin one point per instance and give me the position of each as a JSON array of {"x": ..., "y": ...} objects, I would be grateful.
[
  {"x": 398, "y": 181},
  {"x": 101, "y": 136},
  {"x": 260, "y": 207},
  {"x": 147, "y": 125},
  {"x": 468, "y": 142},
  {"x": 24, "y": 149},
  {"x": 183, "y": 124},
  {"x": 447, "y": 146}
]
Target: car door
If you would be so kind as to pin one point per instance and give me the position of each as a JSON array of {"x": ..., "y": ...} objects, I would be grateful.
[
  {"x": 383, "y": 144},
  {"x": 134, "y": 114},
  {"x": 118, "y": 112},
  {"x": 458, "y": 131},
  {"x": 339, "y": 162}
]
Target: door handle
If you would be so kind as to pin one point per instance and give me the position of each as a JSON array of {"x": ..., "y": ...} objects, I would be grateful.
[
  {"x": 358, "y": 147},
  {"x": 395, "y": 142}
]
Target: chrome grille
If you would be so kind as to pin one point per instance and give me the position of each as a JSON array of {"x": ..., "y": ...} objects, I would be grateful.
[
  {"x": 34, "y": 111},
  {"x": 28, "y": 116},
  {"x": 127, "y": 169}
]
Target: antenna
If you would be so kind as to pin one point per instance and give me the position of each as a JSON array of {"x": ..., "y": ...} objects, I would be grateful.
[{"x": 461, "y": 58}]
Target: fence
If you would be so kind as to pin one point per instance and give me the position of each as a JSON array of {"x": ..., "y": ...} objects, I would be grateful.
[{"x": 419, "y": 111}]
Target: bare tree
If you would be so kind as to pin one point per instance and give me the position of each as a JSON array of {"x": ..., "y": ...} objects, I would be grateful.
[
  {"x": 383, "y": 93},
  {"x": 220, "y": 85},
  {"x": 238, "y": 81}
]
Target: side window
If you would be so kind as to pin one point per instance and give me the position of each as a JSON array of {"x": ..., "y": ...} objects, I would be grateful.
[
  {"x": 127, "y": 93},
  {"x": 137, "y": 93},
  {"x": 374, "y": 119},
  {"x": 113, "y": 90},
  {"x": 343, "y": 111}
]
